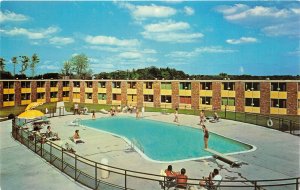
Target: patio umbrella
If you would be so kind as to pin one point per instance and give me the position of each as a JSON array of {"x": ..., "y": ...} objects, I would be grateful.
[
  {"x": 31, "y": 114},
  {"x": 33, "y": 105}
]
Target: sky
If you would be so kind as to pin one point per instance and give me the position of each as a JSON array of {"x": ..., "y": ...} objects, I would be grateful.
[{"x": 207, "y": 38}]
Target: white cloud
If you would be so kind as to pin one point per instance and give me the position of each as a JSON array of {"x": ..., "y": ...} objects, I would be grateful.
[
  {"x": 8, "y": 16},
  {"x": 166, "y": 26},
  {"x": 241, "y": 69},
  {"x": 61, "y": 40},
  {"x": 31, "y": 34},
  {"x": 188, "y": 10},
  {"x": 49, "y": 66},
  {"x": 112, "y": 41},
  {"x": 284, "y": 29},
  {"x": 242, "y": 40},
  {"x": 130, "y": 55}
]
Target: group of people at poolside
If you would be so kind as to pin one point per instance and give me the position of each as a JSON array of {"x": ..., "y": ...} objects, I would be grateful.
[{"x": 180, "y": 178}]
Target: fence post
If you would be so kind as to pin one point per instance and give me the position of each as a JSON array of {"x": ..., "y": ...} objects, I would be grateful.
[
  {"x": 125, "y": 179},
  {"x": 164, "y": 183},
  {"x": 75, "y": 167},
  {"x": 255, "y": 185},
  {"x": 95, "y": 175},
  {"x": 62, "y": 159},
  {"x": 291, "y": 125},
  {"x": 297, "y": 183}
]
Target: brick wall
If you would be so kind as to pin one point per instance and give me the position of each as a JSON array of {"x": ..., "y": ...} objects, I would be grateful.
[
  {"x": 216, "y": 95},
  {"x": 292, "y": 98},
  {"x": 175, "y": 94},
  {"x": 123, "y": 92},
  {"x": 139, "y": 94},
  {"x": 109, "y": 92},
  {"x": 82, "y": 91},
  {"x": 1, "y": 94},
  {"x": 156, "y": 94},
  {"x": 60, "y": 91},
  {"x": 240, "y": 96},
  {"x": 71, "y": 91},
  {"x": 47, "y": 91},
  {"x": 95, "y": 92},
  {"x": 195, "y": 95},
  {"x": 33, "y": 95},
  {"x": 265, "y": 100}
]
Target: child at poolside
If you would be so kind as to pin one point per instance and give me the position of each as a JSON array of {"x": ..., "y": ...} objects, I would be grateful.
[
  {"x": 93, "y": 114},
  {"x": 76, "y": 137},
  {"x": 176, "y": 115}
]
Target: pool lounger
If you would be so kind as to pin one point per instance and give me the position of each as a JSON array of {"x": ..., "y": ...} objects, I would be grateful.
[{"x": 228, "y": 159}]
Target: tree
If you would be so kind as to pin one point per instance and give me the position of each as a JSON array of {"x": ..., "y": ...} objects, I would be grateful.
[
  {"x": 67, "y": 68},
  {"x": 2, "y": 63},
  {"x": 81, "y": 64},
  {"x": 34, "y": 60},
  {"x": 25, "y": 62},
  {"x": 14, "y": 61}
]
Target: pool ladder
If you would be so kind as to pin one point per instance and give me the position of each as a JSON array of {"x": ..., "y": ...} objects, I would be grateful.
[{"x": 137, "y": 144}]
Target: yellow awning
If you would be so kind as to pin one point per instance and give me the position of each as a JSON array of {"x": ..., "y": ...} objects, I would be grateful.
[
  {"x": 33, "y": 105},
  {"x": 31, "y": 114}
]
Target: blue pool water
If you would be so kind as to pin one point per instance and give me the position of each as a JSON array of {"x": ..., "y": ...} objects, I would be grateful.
[{"x": 164, "y": 141}]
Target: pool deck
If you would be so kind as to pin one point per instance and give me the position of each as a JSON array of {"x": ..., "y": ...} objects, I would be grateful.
[{"x": 277, "y": 154}]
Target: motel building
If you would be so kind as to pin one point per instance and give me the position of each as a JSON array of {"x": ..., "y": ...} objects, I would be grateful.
[{"x": 255, "y": 96}]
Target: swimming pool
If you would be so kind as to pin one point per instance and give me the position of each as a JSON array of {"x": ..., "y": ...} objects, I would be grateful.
[{"x": 165, "y": 142}]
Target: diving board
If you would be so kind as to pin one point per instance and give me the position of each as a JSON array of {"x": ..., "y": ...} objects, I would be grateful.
[{"x": 228, "y": 159}]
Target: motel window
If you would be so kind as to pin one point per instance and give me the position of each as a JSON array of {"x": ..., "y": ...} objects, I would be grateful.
[
  {"x": 8, "y": 97},
  {"x": 116, "y": 97},
  {"x": 53, "y": 94},
  {"x": 40, "y": 84},
  {"x": 166, "y": 99},
  {"x": 116, "y": 84},
  {"x": 252, "y": 102},
  {"x": 185, "y": 86},
  {"x": 101, "y": 96},
  {"x": 88, "y": 95},
  {"x": 8, "y": 84},
  {"x": 65, "y": 83},
  {"x": 166, "y": 85},
  {"x": 76, "y": 84},
  {"x": 25, "y": 96},
  {"x": 252, "y": 86},
  {"x": 278, "y": 86},
  {"x": 41, "y": 95},
  {"x": 148, "y": 98},
  {"x": 205, "y": 85},
  {"x": 65, "y": 93},
  {"x": 228, "y": 86},
  {"x": 278, "y": 103},
  {"x": 148, "y": 85},
  {"x": 228, "y": 101},
  {"x": 76, "y": 95},
  {"x": 185, "y": 100},
  {"x": 101, "y": 84},
  {"x": 25, "y": 84},
  {"x": 131, "y": 85},
  {"x": 53, "y": 83},
  {"x": 89, "y": 84},
  {"x": 204, "y": 100}
]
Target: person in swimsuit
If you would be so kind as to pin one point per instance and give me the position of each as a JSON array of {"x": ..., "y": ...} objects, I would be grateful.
[
  {"x": 176, "y": 115},
  {"x": 206, "y": 136}
]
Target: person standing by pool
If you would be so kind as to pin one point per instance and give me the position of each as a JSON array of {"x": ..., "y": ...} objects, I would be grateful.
[
  {"x": 202, "y": 117},
  {"x": 176, "y": 115},
  {"x": 206, "y": 136},
  {"x": 143, "y": 110},
  {"x": 93, "y": 114},
  {"x": 76, "y": 111}
]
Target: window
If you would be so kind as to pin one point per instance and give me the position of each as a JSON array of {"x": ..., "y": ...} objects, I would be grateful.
[
  {"x": 278, "y": 86},
  {"x": 252, "y": 86},
  {"x": 148, "y": 85},
  {"x": 89, "y": 96},
  {"x": 101, "y": 84},
  {"x": 8, "y": 97},
  {"x": 116, "y": 84},
  {"x": 65, "y": 93},
  {"x": 116, "y": 97},
  {"x": 76, "y": 95},
  {"x": 53, "y": 83},
  {"x": 131, "y": 85},
  {"x": 253, "y": 102},
  {"x": 185, "y": 86},
  {"x": 205, "y": 85},
  {"x": 53, "y": 94},
  {"x": 228, "y": 101},
  {"x": 228, "y": 86},
  {"x": 76, "y": 83},
  {"x": 204, "y": 100},
  {"x": 278, "y": 103},
  {"x": 89, "y": 84},
  {"x": 148, "y": 98},
  {"x": 166, "y": 85},
  {"x": 25, "y": 84},
  {"x": 25, "y": 96},
  {"x": 41, "y": 95},
  {"x": 101, "y": 96},
  {"x": 8, "y": 84},
  {"x": 185, "y": 100},
  {"x": 40, "y": 84},
  {"x": 65, "y": 83},
  {"x": 166, "y": 99}
]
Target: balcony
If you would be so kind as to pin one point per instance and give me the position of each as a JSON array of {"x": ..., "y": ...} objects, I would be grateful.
[
  {"x": 8, "y": 91},
  {"x": 131, "y": 91},
  {"x": 165, "y": 92},
  {"x": 185, "y": 92},
  {"x": 278, "y": 95},
  {"x": 185, "y": 106},
  {"x": 116, "y": 102},
  {"x": 8, "y": 103},
  {"x": 40, "y": 90},
  {"x": 251, "y": 109},
  {"x": 148, "y": 104},
  {"x": 280, "y": 111},
  {"x": 252, "y": 94},
  {"x": 205, "y": 93},
  {"x": 89, "y": 90},
  {"x": 76, "y": 89},
  {"x": 25, "y": 90},
  {"x": 66, "y": 99},
  {"x": 41, "y": 100},
  {"x": 25, "y": 102},
  {"x": 53, "y": 89},
  {"x": 227, "y": 93},
  {"x": 67, "y": 88},
  {"x": 102, "y": 90},
  {"x": 148, "y": 91},
  {"x": 165, "y": 105},
  {"x": 116, "y": 90},
  {"x": 53, "y": 99},
  {"x": 205, "y": 107},
  {"x": 101, "y": 101},
  {"x": 76, "y": 100}
]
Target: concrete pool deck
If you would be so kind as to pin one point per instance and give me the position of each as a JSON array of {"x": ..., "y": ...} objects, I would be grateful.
[{"x": 277, "y": 154}]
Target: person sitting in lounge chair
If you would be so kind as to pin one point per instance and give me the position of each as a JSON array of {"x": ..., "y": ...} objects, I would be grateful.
[
  {"x": 51, "y": 135},
  {"x": 215, "y": 118},
  {"x": 212, "y": 181},
  {"x": 181, "y": 180},
  {"x": 171, "y": 175},
  {"x": 76, "y": 137}
]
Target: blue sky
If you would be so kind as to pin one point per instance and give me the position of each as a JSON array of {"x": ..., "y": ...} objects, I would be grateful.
[{"x": 256, "y": 38}]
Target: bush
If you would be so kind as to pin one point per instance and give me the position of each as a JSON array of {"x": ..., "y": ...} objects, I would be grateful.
[{"x": 11, "y": 116}]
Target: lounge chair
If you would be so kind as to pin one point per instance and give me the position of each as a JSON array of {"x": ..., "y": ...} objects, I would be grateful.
[{"x": 103, "y": 111}]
